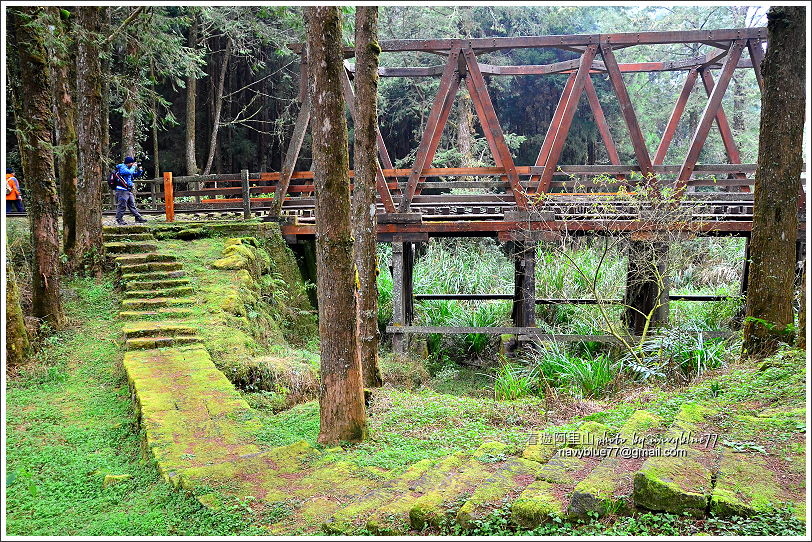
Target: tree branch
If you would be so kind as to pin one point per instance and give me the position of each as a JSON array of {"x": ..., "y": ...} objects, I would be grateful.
[{"x": 126, "y": 22}]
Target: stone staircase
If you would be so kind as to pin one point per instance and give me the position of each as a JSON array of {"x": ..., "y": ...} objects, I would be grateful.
[
  {"x": 565, "y": 476},
  {"x": 203, "y": 437}
]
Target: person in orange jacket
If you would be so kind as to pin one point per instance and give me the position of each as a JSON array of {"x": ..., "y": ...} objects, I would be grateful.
[{"x": 14, "y": 197}]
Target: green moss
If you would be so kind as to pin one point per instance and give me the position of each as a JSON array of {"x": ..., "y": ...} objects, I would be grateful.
[
  {"x": 744, "y": 486},
  {"x": 537, "y": 504},
  {"x": 657, "y": 488}
]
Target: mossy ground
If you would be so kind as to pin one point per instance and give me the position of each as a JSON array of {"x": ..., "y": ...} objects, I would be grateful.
[
  {"x": 253, "y": 316},
  {"x": 70, "y": 425}
]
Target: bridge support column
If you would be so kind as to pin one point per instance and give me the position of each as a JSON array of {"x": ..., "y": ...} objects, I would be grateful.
[
  {"x": 524, "y": 286},
  {"x": 647, "y": 285},
  {"x": 402, "y": 292}
]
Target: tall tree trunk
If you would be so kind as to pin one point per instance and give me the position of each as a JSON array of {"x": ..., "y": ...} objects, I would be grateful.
[
  {"x": 775, "y": 209},
  {"x": 156, "y": 162},
  {"x": 218, "y": 106},
  {"x": 104, "y": 29},
  {"x": 364, "y": 193},
  {"x": 64, "y": 78},
  {"x": 89, "y": 86},
  {"x": 17, "y": 344},
  {"x": 343, "y": 417},
  {"x": 34, "y": 122},
  {"x": 131, "y": 103},
  {"x": 191, "y": 108}
]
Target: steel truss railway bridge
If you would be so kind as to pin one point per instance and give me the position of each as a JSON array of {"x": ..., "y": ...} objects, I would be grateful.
[{"x": 528, "y": 203}]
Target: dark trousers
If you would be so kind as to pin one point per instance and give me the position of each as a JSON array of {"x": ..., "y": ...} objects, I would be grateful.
[
  {"x": 125, "y": 201},
  {"x": 13, "y": 205}
]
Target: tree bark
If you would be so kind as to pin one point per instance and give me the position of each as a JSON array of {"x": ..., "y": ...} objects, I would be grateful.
[
  {"x": 156, "y": 162},
  {"x": 64, "y": 74},
  {"x": 17, "y": 343},
  {"x": 343, "y": 417},
  {"x": 130, "y": 105},
  {"x": 34, "y": 127},
  {"x": 191, "y": 108},
  {"x": 89, "y": 87},
  {"x": 647, "y": 286},
  {"x": 364, "y": 193},
  {"x": 218, "y": 106},
  {"x": 775, "y": 207}
]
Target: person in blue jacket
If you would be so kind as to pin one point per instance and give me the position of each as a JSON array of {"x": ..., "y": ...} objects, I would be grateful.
[{"x": 125, "y": 200}]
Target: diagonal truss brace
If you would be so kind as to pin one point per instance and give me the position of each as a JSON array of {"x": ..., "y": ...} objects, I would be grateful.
[
  {"x": 626, "y": 108},
  {"x": 565, "y": 119},
  {"x": 710, "y": 112},
  {"x": 380, "y": 181},
  {"x": 434, "y": 126},
  {"x": 673, "y": 120},
  {"x": 490, "y": 124}
]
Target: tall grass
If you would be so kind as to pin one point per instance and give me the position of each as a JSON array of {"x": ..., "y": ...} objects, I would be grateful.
[
  {"x": 513, "y": 382},
  {"x": 580, "y": 374}
]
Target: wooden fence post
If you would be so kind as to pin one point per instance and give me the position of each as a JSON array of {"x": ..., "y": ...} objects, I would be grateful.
[
  {"x": 153, "y": 202},
  {"x": 169, "y": 197},
  {"x": 246, "y": 195}
]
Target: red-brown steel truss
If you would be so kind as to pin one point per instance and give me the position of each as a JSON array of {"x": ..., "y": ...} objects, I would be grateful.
[{"x": 597, "y": 56}]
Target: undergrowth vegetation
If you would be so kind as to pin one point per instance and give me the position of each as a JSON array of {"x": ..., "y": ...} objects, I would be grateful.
[
  {"x": 675, "y": 354},
  {"x": 73, "y": 450}
]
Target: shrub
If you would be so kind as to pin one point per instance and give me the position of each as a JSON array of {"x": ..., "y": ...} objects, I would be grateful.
[{"x": 678, "y": 354}]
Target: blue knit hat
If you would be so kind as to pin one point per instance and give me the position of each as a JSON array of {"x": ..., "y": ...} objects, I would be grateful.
[
  {"x": 9, "y": 170},
  {"x": 129, "y": 160}
]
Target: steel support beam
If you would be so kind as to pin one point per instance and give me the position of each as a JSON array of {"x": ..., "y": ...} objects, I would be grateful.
[
  {"x": 709, "y": 114},
  {"x": 380, "y": 182},
  {"x": 756, "y": 57},
  {"x": 567, "y": 115},
  {"x": 676, "y": 114},
  {"x": 600, "y": 121},
  {"x": 490, "y": 123},
  {"x": 544, "y": 152},
  {"x": 450, "y": 74},
  {"x": 626, "y": 108}
]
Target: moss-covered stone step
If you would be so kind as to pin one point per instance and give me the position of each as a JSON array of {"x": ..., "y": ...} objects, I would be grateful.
[
  {"x": 155, "y": 329},
  {"x": 143, "y": 258},
  {"x": 428, "y": 498},
  {"x": 121, "y": 237},
  {"x": 608, "y": 487},
  {"x": 155, "y": 314},
  {"x": 152, "y": 276},
  {"x": 135, "y": 247},
  {"x": 502, "y": 486},
  {"x": 745, "y": 485},
  {"x": 148, "y": 343},
  {"x": 150, "y": 267},
  {"x": 131, "y": 228},
  {"x": 192, "y": 415},
  {"x": 156, "y": 284},
  {"x": 578, "y": 452},
  {"x": 353, "y": 517},
  {"x": 544, "y": 445},
  {"x": 156, "y": 303},
  {"x": 540, "y": 502},
  {"x": 680, "y": 481},
  {"x": 178, "y": 291}
]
